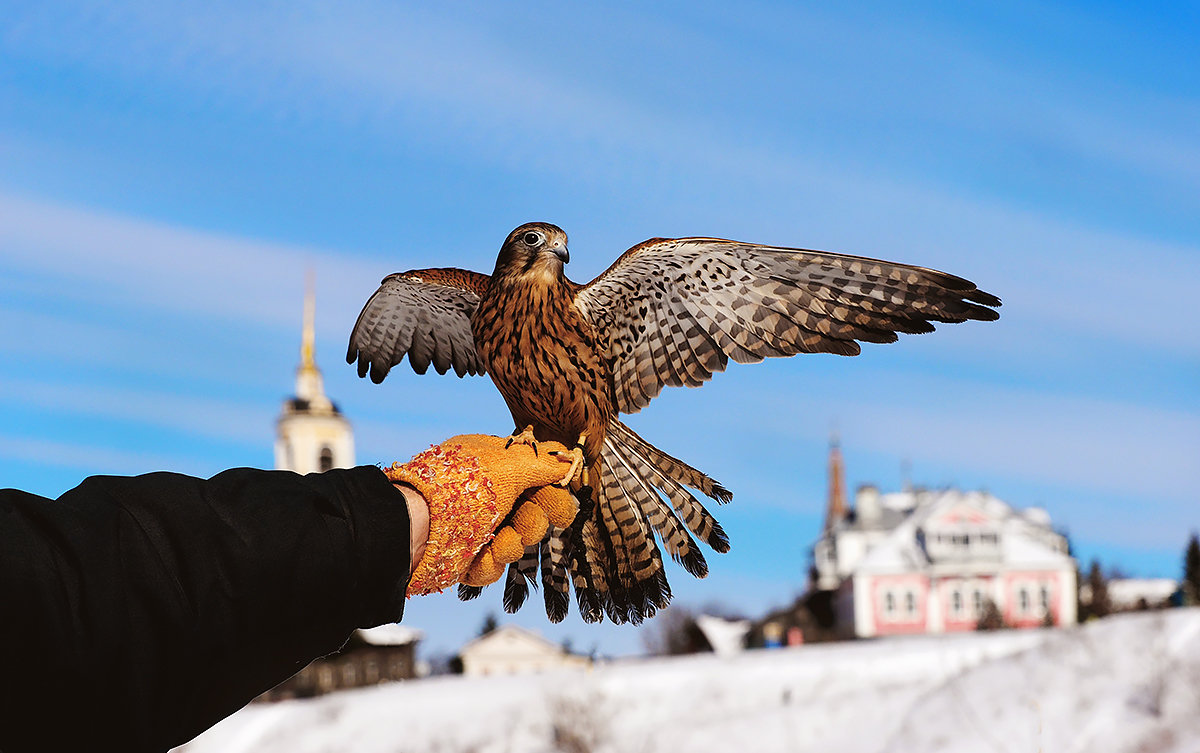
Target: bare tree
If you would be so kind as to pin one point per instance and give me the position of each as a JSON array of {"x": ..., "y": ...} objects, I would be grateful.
[{"x": 674, "y": 631}]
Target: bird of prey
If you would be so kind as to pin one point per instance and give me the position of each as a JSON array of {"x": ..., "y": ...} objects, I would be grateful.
[{"x": 570, "y": 358}]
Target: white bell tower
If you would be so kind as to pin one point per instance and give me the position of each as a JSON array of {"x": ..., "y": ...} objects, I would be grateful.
[{"x": 311, "y": 434}]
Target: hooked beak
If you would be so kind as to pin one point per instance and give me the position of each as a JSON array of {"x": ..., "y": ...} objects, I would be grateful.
[{"x": 560, "y": 250}]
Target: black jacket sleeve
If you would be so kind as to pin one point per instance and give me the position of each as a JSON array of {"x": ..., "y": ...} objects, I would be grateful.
[{"x": 139, "y": 611}]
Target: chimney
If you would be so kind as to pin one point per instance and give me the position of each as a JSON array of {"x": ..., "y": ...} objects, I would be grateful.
[{"x": 866, "y": 504}]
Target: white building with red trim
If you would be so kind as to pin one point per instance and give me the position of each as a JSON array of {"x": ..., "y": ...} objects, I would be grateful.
[{"x": 929, "y": 561}]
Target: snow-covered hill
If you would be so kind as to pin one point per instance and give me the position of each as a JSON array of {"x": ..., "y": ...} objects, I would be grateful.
[{"x": 1129, "y": 683}]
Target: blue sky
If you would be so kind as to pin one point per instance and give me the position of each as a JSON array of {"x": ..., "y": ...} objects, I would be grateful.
[{"x": 167, "y": 174}]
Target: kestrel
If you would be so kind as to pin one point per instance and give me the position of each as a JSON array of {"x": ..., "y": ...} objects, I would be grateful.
[{"x": 569, "y": 358}]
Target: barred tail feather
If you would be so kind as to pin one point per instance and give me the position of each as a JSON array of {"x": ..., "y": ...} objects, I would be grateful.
[
  {"x": 587, "y": 577},
  {"x": 670, "y": 466},
  {"x": 620, "y": 573},
  {"x": 466, "y": 593},
  {"x": 521, "y": 575},
  {"x": 640, "y": 586},
  {"x": 664, "y": 522},
  {"x": 554, "y": 578},
  {"x": 670, "y": 476}
]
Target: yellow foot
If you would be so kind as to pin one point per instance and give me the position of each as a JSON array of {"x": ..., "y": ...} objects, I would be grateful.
[
  {"x": 525, "y": 437},
  {"x": 576, "y": 461}
]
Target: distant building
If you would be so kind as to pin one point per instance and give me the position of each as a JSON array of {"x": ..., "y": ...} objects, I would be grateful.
[
  {"x": 381, "y": 654},
  {"x": 513, "y": 650},
  {"x": 929, "y": 561},
  {"x": 1132, "y": 594},
  {"x": 808, "y": 619},
  {"x": 311, "y": 434}
]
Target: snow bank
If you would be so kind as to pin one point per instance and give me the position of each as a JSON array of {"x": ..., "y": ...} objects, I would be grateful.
[{"x": 1124, "y": 684}]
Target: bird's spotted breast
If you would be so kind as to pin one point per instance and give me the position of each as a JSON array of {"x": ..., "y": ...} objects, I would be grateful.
[{"x": 543, "y": 357}]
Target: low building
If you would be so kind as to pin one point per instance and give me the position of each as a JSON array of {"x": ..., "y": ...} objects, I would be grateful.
[
  {"x": 381, "y": 654},
  {"x": 808, "y": 619},
  {"x": 1132, "y": 594},
  {"x": 511, "y": 650},
  {"x": 934, "y": 561}
]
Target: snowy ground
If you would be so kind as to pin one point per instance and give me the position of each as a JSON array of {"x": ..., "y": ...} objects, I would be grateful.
[{"x": 1129, "y": 683}]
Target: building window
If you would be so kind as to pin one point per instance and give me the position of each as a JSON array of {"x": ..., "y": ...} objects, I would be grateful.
[
  {"x": 1044, "y": 599},
  {"x": 397, "y": 668},
  {"x": 1023, "y": 600},
  {"x": 325, "y": 462},
  {"x": 889, "y": 604},
  {"x": 910, "y": 603},
  {"x": 977, "y": 602},
  {"x": 325, "y": 678},
  {"x": 956, "y": 602}
]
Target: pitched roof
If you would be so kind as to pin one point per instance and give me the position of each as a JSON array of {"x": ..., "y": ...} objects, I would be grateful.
[
  {"x": 511, "y": 633},
  {"x": 1024, "y": 539},
  {"x": 390, "y": 634}
]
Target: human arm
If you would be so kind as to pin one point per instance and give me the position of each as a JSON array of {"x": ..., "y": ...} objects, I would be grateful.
[{"x": 144, "y": 609}]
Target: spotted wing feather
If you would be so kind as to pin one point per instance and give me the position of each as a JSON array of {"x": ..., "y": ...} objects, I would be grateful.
[
  {"x": 675, "y": 311},
  {"x": 424, "y": 314}
]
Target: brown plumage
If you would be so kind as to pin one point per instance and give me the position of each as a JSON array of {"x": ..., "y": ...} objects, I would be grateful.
[{"x": 570, "y": 358}]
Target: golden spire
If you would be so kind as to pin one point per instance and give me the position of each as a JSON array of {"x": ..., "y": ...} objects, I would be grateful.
[
  {"x": 307, "y": 357},
  {"x": 309, "y": 385}
]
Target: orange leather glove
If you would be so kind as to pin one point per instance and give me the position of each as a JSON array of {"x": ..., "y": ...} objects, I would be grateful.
[{"x": 471, "y": 483}]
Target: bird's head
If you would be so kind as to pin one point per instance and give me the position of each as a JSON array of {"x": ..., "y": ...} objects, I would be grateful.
[{"x": 535, "y": 248}]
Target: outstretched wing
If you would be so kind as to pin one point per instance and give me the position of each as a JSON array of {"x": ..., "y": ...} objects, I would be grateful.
[
  {"x": 425, "y": 313},
  {"x": 675, "y": 311}
]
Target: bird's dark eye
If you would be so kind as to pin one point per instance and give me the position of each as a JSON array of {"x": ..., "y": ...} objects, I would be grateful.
[{"x": 532, "y": 239}]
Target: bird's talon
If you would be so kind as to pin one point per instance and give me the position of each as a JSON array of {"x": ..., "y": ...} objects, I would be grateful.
[
  {"x": 576, "y": 462},
  {"x": 524, "y": 437}
]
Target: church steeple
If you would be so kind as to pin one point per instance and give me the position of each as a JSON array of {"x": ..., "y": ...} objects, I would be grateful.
[
  {"x": 311, "y": 434},
  {"x": 309, "y": 384},
  {"x": 835, "y": 508},
  {"x": 308, "y": 337}
]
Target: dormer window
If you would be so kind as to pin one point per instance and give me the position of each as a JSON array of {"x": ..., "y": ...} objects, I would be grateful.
[{"x": 325, "y": 460}]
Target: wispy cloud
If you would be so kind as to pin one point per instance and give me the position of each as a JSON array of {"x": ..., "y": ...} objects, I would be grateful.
[
  {"x": 104, "y": 258},
  {"x": 200, "y": 415},
  {"x": 380, "y": 66},
  {"x": 90, "y": 458},
  {"x": 991, "y": 431}
]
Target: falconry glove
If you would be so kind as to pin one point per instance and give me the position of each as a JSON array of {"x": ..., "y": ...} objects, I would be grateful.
[{"x": 471, "y": 484}]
